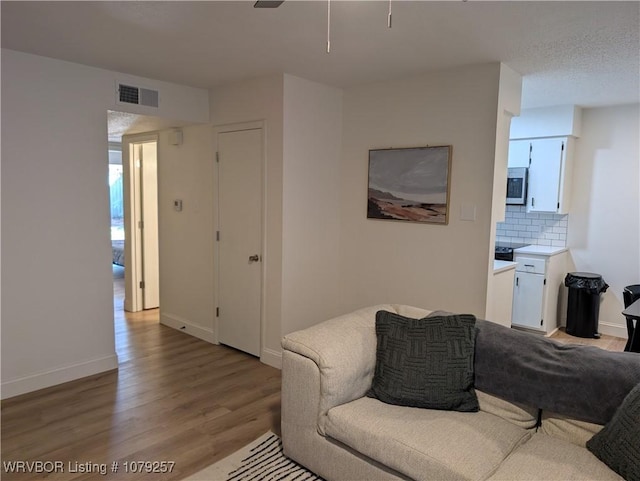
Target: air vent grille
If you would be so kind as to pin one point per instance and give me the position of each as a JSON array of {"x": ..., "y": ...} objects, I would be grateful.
[
  {"x": 129, "y": 94},
  {"x": 149, "y": 97}
]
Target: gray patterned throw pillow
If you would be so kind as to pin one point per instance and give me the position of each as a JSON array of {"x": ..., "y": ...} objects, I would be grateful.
[
  {"x": 425, "y": 363},
  {"x": 618, "y": 444}
]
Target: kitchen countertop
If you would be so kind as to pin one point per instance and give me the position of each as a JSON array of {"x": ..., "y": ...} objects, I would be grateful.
[
  {"x": 540, "y": 250},
  {"x": 501, "y": 266}
]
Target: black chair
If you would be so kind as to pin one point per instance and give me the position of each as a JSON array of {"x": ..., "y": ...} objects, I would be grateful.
[{"x": 629, "y": 296}]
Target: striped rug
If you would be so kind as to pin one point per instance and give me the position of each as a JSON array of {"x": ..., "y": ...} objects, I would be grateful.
[{"x": 261, "y": 460}]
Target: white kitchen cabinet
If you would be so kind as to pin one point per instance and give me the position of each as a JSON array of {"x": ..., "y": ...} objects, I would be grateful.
[
  {"x": 539, "y": 274},
  {"x": 519, "y": 151},
  {"x": 550, "y": 163},
  {"x": 528, "y": 298}
]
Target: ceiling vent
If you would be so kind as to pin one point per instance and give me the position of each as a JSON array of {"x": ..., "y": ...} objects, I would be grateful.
[{"x": 128, "y": 94}]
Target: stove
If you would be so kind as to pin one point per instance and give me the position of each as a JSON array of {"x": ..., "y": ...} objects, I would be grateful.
[{"x": 504, "y": 251}]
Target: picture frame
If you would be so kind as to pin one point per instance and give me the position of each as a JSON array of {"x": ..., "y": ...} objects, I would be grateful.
[{"x": 410, "y": 184}]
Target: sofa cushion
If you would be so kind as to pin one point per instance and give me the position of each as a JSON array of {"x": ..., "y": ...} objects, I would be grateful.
[
  {"x": 425, "y": 444},
  {"x": 545, "y": 458},
  {"x": 425, "y": 362},
  {"x": 523, "y": 416},
  {"x": 618, "y": 444},
  {"x": 569, "y": 429}
]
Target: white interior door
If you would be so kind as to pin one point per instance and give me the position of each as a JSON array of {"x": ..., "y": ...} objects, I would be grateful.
[
  {"x": 140, "y": 187},
  {"x": 240, "y": 239},
  {"x": 149, "y": 207}
]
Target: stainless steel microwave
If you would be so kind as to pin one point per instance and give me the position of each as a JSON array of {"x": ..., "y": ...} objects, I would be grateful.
[{"x": 517, "y": 186}]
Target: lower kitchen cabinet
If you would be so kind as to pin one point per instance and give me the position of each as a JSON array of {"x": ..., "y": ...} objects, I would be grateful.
[
  {"x": 539, "y": 274},
  {"x": 528, "y": 299}
]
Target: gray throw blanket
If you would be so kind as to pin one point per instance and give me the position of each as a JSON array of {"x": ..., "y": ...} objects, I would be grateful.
[{"x": 582, "y": 382}]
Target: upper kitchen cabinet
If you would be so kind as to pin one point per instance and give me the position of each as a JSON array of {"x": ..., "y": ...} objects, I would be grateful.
[
  {"x": 519, "y": 153},
  {"x": 550, "y": 163}
]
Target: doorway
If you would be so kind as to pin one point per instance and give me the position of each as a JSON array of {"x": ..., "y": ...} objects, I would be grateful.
[
  {"x": 140, "y": 186},
  {"x": 240, "y": 267}
]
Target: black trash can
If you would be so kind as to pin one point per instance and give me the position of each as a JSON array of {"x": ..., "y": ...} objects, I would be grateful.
[
  {"x": 583, "y": 305},
  {"x": 630, "y": 295}
]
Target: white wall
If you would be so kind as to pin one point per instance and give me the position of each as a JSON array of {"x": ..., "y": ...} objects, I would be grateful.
[
  {"x": 57, "y": 294},
  {"x": 186, "y": 172},
  {"x": 262, "y": 99},
  {"x": 311, "y": 203},
  {"x": 604, "y": 223},
  {"x": 509, "y": 100},
  {"x": 430, "y": 266}
]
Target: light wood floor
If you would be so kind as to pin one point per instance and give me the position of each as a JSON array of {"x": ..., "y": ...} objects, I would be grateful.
[
  {"x": 174, "y": 398},
  {"x": 610, "y": 343}
]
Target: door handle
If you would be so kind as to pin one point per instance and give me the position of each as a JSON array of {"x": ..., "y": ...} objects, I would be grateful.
[{"x": 254, "y": 258}]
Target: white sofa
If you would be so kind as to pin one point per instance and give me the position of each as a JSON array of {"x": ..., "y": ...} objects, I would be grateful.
[{"x": 332, "y": 428}]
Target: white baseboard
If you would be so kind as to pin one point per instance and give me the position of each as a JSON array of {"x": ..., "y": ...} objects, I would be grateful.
[
  {"x": 271, "y": 358},
  {"x": 612, "y": 329},
  {"x": 182, "y": 325},
  {"x": 58, "y": 376}
]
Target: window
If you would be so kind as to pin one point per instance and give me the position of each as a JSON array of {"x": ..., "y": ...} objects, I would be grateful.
[{"x": 115, "y": 190}]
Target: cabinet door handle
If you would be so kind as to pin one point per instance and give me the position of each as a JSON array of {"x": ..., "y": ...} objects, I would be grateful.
[{"x": 533, "y": 202}]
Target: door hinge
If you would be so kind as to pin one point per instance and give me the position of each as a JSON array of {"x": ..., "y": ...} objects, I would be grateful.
[
  {"x": 558, "y": 205},
  {"x": 140, "y": 224},
  {"x": 562, "y": 146},
  {"x": 217, "y": 312},
  {"x": 217, "y": 156},
  {"x": 517, "y": 281},
  {"x": 541, "y": 322},
  {"x": 545, "y": 282},
  {"x": 141, "y": 284},
  {"x": 218, "y": 236}
]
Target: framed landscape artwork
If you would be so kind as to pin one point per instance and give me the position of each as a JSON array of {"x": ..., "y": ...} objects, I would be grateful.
[{"x": 410, "y": 184}]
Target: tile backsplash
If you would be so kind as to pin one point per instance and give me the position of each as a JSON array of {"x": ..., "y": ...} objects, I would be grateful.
[{"x": 535, "y": 228}]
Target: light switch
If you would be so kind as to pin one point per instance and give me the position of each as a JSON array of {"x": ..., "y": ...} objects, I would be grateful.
[
  {"x": 177, "y": 205},
  {"x": 468, "y": 212}
]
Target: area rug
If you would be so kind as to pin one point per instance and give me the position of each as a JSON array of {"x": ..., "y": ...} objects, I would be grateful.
[{"x": 261, "y": 460}]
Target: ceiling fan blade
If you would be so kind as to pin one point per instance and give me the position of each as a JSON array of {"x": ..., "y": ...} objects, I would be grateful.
[{"x": 268, "y": 3}]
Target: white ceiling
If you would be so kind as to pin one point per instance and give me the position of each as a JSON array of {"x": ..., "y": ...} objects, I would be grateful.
[{"x": 583, "y": 53}]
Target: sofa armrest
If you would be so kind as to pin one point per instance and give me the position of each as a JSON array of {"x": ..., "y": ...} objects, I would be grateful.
[{"x": 344, "y": 351}]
